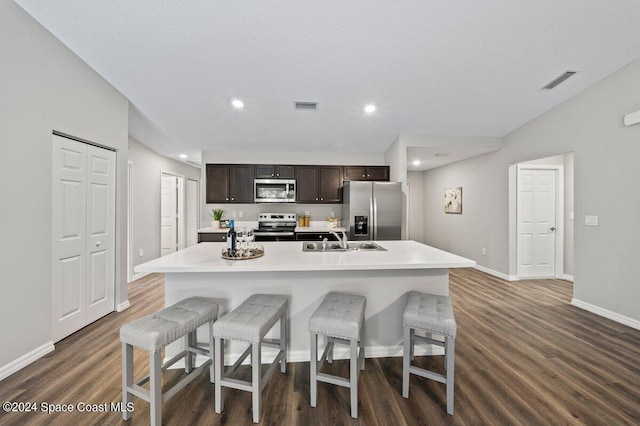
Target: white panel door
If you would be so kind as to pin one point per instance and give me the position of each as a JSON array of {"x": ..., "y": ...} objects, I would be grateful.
[
  {"x": 83, "y": 193},
  {"x": 101, "y": 169},
  {"x": 69, "y": 236},
  {"x": 169, "y": 215},
  {"x": 192, "y": 212},
  {"x": 536, "y": 223}
]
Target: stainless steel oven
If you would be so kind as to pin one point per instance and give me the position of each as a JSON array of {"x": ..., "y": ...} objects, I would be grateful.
[
  {"x": 274, "y": 191},
  {"x": 275, "y": 227}
]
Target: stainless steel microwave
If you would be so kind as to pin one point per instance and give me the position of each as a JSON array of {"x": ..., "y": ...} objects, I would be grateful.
[{"x": 274, "y": 191}]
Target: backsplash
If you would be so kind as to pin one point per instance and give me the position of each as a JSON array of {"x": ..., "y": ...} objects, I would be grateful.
[{"x": 318, "y": 212}]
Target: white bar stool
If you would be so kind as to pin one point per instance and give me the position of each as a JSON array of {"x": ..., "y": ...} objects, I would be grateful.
[
  {"x": 152, "y": 333},
  {"x": 249, "y": 323},
  {"x": 432, "y": 314},
  {"x": 340, "y": 317}
]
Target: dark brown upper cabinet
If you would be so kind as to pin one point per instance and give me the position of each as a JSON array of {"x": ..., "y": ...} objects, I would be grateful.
[
  {"x": 229, "y": 183},
  {"x": 366, "y": 173},
  {"x": 319, "y": 184},
  {"x": 266, "y": 171}
]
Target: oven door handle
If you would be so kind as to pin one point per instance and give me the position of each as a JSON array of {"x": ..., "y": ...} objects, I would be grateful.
[{"x": 272, "y": 234}]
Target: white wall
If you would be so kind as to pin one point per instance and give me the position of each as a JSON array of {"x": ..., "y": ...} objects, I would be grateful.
[
  {"x": 605, "y": 159},
  {"x": 44, "y": 87},
  {"x": 146, "y": 171},
  {"x": 415, "y": 182}
]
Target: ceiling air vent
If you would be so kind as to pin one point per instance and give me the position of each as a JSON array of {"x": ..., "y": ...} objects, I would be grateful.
[
  {"x": 305, "y": 106},
  {"x": 562, "y": 77}
]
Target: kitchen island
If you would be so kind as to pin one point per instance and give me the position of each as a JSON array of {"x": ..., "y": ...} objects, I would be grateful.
[{"x": 383, "y": 277}]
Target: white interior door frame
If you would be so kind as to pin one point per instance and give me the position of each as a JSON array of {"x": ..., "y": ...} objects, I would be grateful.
[
  {"x": 129, "y": 221},
  {"x": 192, "y": 211},
  {"x": 559, "y": 243},
  {"x": 181, "y": 202}
]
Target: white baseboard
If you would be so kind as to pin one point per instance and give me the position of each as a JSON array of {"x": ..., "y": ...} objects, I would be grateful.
[
  {"x": 138, "y": 276},
  {"x": 567, "y": 277},
  {"x": 123, "y": 306},
  {"x": 495, "y": 273},
  {"x": 26, "y": 359},
  {"x": 339, "y": 352},
  {"x": 633, "y": 323}
]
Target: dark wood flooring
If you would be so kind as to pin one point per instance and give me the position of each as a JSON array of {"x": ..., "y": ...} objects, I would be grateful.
[{"x": 524, "y": 355}]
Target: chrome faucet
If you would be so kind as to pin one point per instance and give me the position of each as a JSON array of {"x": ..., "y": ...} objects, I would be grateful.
[
  {"x": 344, "y": 242},
  {"x": 324, "y": 244}
]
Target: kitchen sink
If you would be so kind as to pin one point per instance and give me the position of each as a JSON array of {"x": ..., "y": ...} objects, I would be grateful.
[{"x": 334, "y": 246}]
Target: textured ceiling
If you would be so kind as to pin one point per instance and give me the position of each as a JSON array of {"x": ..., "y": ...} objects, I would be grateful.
[{"x": 466, "y": 67}]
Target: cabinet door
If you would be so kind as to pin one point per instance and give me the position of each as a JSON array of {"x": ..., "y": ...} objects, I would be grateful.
[
  {"x": 265, "y": 171},
  {"x": 330, "y": 184},
  {"x": 285, "y": 172},
  {"x": 378, "y": 173},
  {"x": 355, "y": 173},
  {"x": 211, "y": 237},
  {"x": 241, "y": 183},
  {"x": 314, "y": 236},
  {"x": 307, "y": 184},
  {"x": 217, "y": 183}
]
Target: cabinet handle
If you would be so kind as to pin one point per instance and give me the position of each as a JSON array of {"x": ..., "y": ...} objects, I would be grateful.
[
  {"x": 363, "y": 176},
  {"x": 277, "y": 174},
  {"x": 232, "y": 198},
  {"x": 100, "y": 242},
  {"x": 227, "y": 198},
  {"x": 271, "y": 174},
  {"x": 316, "y": 198},
  {"x": 368, "y": 175},
  {"x": 321, "y": 199}
]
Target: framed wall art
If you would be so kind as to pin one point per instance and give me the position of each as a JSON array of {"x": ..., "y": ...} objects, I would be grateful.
[{"x": 453, "y": 200}]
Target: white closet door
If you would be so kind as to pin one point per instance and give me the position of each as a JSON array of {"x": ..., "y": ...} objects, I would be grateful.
[
  {"x": 69, "y": 194},
  {"x": 83, "y": 193},
  {"x": 101, "y": 169}
]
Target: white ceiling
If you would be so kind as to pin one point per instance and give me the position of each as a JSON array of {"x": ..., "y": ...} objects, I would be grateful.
[{"x": 465, "y": 67}]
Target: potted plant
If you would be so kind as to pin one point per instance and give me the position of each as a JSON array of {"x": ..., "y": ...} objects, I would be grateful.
[{"x": 217, "y": 215}]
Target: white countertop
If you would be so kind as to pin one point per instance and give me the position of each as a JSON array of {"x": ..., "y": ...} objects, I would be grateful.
[{"x": 288, "y": 256}]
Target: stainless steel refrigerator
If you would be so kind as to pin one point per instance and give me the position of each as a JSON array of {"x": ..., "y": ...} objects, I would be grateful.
[{"x": 372, "y": 210}]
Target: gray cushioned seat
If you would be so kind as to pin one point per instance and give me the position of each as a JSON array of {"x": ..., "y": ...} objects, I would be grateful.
[
  {"x": 431, "y": 313},
  {"x": 154, "y": 332},
  {"x": 250, "y": 321},
  {"x": 339, "y": 315}
]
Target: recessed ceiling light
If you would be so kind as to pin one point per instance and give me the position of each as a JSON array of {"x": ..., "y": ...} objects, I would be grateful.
[
  {"x": 237, "y": 103},
  {"x": 416, "y": 162},
  {"x": 369, "y": 108},
  {"x": 183, "y": 156}
]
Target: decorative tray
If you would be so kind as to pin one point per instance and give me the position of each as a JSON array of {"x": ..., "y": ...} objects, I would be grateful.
[{"x": 244, "y": 252}]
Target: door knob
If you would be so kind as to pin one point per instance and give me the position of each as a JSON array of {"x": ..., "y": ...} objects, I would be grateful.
[
  {"x": 98, "y": 243},
  {"x": 553, "y": 228}
]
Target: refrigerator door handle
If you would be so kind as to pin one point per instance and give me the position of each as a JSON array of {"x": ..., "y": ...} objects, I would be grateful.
[
  {"x": 372, "y": 228},
  {"x": 375, "y": 219}
]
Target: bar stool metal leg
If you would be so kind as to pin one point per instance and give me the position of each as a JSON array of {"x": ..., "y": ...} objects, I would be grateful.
[
  {"x": 406, "y": 360},
  {"x": 314, "y": 369},
  {"x": 283, "y": 343},
  {"x": 155, "y": 387},
  {"x": 212, "y": 373},
  {"x": 449, "y": 354},
  {"x": 354, "y": 367},
  {"x": 256, "y": 381},
  {"x": 127, "y": 379},
  {"x": 219, "y": 369}
]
